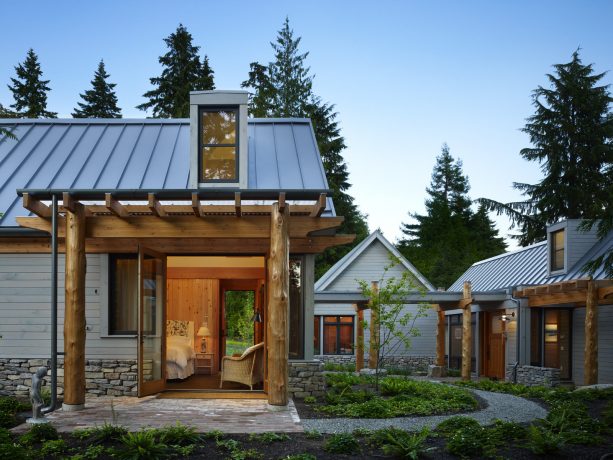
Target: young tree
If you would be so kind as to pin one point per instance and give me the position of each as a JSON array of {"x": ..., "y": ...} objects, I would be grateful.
[
  {"x": 283, "y": 88},
  {"x": 571, "y": 133},
  {"x": 183, "y": 71},
  {"x": 29, "y": 90},
  {"x": 100, "y": 101},
  {"x": 449, "y": 237},
  {"x": 392, "y": 324}
]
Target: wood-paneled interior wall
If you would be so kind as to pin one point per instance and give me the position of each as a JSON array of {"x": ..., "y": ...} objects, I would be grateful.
[{"x": 197, "y": 300}]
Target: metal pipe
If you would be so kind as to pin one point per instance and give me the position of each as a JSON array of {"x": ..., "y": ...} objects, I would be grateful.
[
  {"x": 53, "y": 402},
  {"x": 517, "y": 334}
]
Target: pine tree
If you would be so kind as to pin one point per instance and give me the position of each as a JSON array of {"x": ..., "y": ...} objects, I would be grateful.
[
  {"x": 284, "y": 88},
  {"x": 446, "y": 240},
  {"x": 4, "y": 132},
  {"x": 571, "y": 133},
  {"x": 183, "y": 71},
  {"x": 29, "y": 90},
  {"x": 100, "y": 101}
]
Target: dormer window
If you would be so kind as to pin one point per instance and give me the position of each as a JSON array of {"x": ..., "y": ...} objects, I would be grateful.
[
  {"x": 557, "y": 250},
  {"x": 219, "y": 144}
]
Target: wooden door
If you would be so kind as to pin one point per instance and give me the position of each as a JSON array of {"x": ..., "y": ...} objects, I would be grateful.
[
  {"x": 494, "y": 364},
  {"x": 151, "y": 322}
]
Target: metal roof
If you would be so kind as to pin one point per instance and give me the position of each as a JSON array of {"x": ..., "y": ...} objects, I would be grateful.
[
  {"x": 435, "y": 297},
  {"x": 144, "y": 154},
  {"x": 526, "y": 266}
]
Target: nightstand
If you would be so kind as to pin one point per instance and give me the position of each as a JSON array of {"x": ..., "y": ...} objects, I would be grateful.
[{"x": 204, "y": 363}]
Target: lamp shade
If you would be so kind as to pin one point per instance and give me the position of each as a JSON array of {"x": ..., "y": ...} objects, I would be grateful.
[{"x": 203, "y": 332}]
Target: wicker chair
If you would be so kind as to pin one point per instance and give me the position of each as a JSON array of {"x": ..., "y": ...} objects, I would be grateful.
[{"x": 246, "y": 369}]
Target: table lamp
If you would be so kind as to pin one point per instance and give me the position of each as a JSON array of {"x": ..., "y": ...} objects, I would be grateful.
[{"x": 204, "y": 333}]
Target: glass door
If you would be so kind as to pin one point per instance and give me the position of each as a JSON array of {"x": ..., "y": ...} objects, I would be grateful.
[{"x": 151, "y": 321}]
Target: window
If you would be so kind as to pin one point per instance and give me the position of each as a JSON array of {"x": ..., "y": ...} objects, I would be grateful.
[
  {"x": 557, "y": 250},
  {"x": 123, "y": 295},
  {"x": 218, "y": 144},
  {"x": 296, "y": 309},
  {"x": 338, "y": 335}
]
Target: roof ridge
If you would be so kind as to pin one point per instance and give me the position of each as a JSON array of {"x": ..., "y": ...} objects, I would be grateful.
[{"x": 119, "y": 121}]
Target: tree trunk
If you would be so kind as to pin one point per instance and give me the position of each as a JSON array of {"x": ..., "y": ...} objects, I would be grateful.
[
  {"x": 590, "y": 357},
  {"x": 440, "y": 337}
]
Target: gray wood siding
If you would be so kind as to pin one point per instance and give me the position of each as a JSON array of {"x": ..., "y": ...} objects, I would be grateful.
[
  {"x": 578, "y": 243},
  {"x": 25, "y": 309},
  {"x": 605, "y": 344},
  {"x": 369, "y": 266}
]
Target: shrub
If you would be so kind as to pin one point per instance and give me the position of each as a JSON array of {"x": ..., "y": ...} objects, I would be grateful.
[
  {"x": 5, "y": 436},
  {"x": 453, "y": 372},
  {"x": 349, "y": 367},
  {"x": 53, "y": 448},
  {"x": 14, "y": 451},
  {"x": 543, "y": 441},
  {"x": 607, "y": 414},
  {"x": 342, "y": 443},
  {"x": 213, "y": 434},
  {"x": 7, "y": 419},
  {"x": 178, "y": 435},
  {"x": 141, "y": 445},
  {"x": 12, "y": 405},
  {"x": 470, "y": 441},
  {"x": 448, "y": 427},
  {"x": 503, "y": 431},
  {"x": 310, "y": 400},
  {"x": 572, "y": 421},
  {"x": 312, "y": 434},
  {"x": 104, "y": 433},
  {"x": 91, "y": 453},
  {"x": 235, "y": 451},
  {"x": 268, "y": 438},
  {"x": 39, "y": 433},
  {"x": 406, "y": 445},
  {"x": 303, "y": 456}
]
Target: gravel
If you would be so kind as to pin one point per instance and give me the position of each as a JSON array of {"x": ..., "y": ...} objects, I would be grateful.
[{"x": 501, "y": 406}]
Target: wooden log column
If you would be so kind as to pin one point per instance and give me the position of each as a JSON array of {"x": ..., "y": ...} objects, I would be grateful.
[
  {"x": 440, "y": 336},
  {"x": 359, "y": 351},
  {"x": 278, "y": 307},
  {"x": 590, "y": 357},
  {"x": 74, "y": 310},
  {"x": 466, "y": 331},
  {"x": 373, "y": 344}
]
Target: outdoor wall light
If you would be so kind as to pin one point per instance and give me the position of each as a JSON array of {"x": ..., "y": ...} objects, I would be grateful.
[
  {"x": 257, "y": 317},
  {"x": 508, "y": 317}
]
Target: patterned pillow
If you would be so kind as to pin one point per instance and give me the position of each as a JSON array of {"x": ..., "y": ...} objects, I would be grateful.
[{"x": 177, "y": 327}]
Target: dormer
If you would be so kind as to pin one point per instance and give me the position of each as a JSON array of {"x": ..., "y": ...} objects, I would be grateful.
[
  {"x": 218, "y": 139},
  {"x": 566, "y": 244}
]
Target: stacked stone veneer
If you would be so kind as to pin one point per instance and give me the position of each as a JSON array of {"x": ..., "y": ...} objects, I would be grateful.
[
  {"x": 306, "y": 378},
  {"x": 533, "y": 375},
  {"x": 102, "y": 377},
  {"x": 406, "y": 362}
]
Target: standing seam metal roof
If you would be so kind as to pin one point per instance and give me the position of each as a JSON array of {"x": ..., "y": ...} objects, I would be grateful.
[{"x": 144, "y": 154}]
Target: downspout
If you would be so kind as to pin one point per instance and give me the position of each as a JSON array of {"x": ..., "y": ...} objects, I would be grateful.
[
  {"x": 53, "y": 362},
  {"x": 517, "y": 334}
]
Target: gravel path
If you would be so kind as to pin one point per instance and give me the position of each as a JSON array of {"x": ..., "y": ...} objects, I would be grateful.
[{"x": 500, "y": 406}]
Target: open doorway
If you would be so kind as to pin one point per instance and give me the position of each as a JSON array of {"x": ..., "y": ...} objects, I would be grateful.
[{"x": 215, "y": 322}]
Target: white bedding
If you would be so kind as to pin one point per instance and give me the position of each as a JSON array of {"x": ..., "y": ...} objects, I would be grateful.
[{"x": 179, "y": 357}]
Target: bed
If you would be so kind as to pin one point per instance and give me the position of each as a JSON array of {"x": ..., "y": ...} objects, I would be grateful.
[{"x": 180, "y": 355}]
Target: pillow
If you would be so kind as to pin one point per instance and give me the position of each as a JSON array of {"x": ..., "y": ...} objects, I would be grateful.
[{"x": 177, "y": 339}]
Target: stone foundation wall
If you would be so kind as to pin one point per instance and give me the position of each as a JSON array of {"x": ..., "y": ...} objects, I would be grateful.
[
  {"x": 102, "y": 377},
  {"x": 336, "y": 359},
  {"x": 306, "y": 378},
  {"x": 534, "y": 375},
  {"x": 406, "y": 362}
]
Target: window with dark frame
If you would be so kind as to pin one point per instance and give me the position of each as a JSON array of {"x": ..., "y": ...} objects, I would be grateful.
[
  {"x": 338, "y": 335},
  {"x": 218, "y": 140},
  {"x": 123, "y": 294},
  {"x": 557, "y": 250}
]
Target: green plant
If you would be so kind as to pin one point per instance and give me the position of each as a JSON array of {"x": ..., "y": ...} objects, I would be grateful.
[
  {"x": 470, "y": 441},
  {"x": 39, "y": 433},
  {"x": 91, "y": 453},
  {"x": 406, "y": 445},
  {"x": 12, "y": 405},
  {"x": 236, "y": 452},
  {"x": 362, "y": 432},
  {"x": 303, "y": 456},
  {"x": 453, "y": 372},
  {"x": 268, "y": 438},
  {"x": 502, "y": 432},
  {"x": 14, "y": 451},
  {"x": 213, "y": 434},
  {"x": 341, "y": 443},
  {"x": 339, "y": 367},
  {"x": 310, "y": 400},
  {"x": 141, "y": 445},
  {"x": 312, "y": 434},
  {"x": 7, "y": 419},
  {"x": 178, "y": 435},
  {"x": 103, "y": 433},
  {"x": 572, "y": 421},
  {"x": 5, "y": 436},
  {"x": 543, "y": 441},
  {"x": 448, "y": 427},
  {"x": 53, "y": 448},
  {"x": 184, "y": 451},
  {"x": 607, "y": 414}
]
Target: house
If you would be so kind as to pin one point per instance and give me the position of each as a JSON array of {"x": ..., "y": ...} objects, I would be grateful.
[
  {"x": 546, "y": 321},
  {"x": 339, "y": 307},
  {"x": 124, "y": 237}
]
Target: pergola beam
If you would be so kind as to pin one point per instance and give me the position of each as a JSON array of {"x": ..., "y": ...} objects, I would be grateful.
[
  {"x": 155, "y": 207},
  {"x": 114, "y": 206},
  {"x": 320, "y": 206},
  {"x": 237, "y": 204},
  {"x": 36, "y": 206},
  {"x": 196, "y": 205}
]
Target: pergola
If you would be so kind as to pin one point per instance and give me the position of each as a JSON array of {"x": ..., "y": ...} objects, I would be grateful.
[{"x": 211, "y": 221}]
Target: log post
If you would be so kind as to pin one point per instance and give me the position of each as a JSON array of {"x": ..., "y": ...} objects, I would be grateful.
[
  {"x": 278, "y": 307},
  {"x": 359, "y": 352},
  {"x": 590, "y": 357},
  {"x": 373, "y": 350},
  {"x": 440, "y": 336},
  {"x": 466, "y": 332},
  {"x": 74, "y": 310}
]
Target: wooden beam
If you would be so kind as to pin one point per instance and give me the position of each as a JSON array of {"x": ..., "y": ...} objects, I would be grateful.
[
  {"x": 282, "y": 202},
  {"x": 74, "y": 309},
  {"x": 115, "y": 206},
  {"x": 196, "y": 205},
  {"x": 320, "y": 206},
  {"x": 36, "y": 206},
  {"x": 155, "y": 207},
  {"x": 278, "y": 307},
  {"x": 237, "y": 204},
  {"x": 590, "y": 352},
  {"x": 440, "y": 337},
  {"x": 187, "y": 227},
  {"x": 605, "y": 292},
  {"x": 373, "y": 348},
  {"x": 67, "y": 202},
  {"x": 466, "y": 333},
  {"x": 463, "y": 303},
  {"x": 359, "y": 351}
]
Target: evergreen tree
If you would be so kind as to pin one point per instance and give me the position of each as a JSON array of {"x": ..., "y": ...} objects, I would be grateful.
[
  {"x": 571, "y": 133},
  {"x": 183, "y": 71},
  {"x": 29, "y": 90},
  {"x": 4, "y": 132},
  {"x": 100, "y": 101},
  {"x": 449, "y": 238},
  {"x": 284, "y": 88}
]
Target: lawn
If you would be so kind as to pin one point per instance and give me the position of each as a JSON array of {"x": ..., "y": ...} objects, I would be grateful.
[{"x": 236, "y": 347}]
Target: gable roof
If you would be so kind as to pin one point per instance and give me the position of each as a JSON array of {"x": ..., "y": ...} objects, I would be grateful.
[
  {"x": 339, "y": 267},
  {"x": 153, "y": 154}
]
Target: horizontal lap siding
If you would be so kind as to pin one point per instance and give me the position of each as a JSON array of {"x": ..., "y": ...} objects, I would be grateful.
[
  {"x": 605, "y": 344},
  {"x": 25, "y": 309}
]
